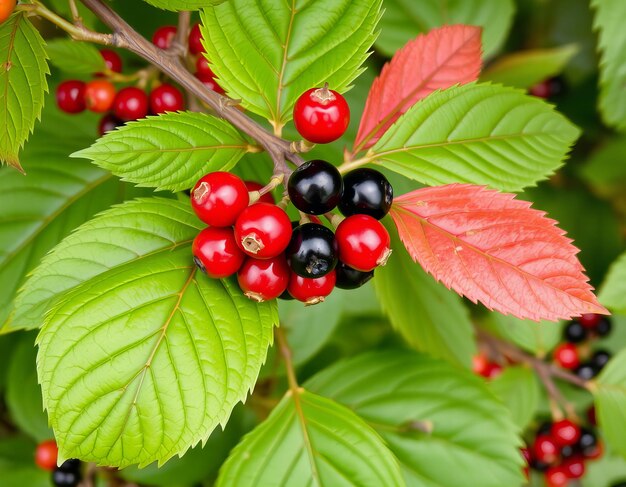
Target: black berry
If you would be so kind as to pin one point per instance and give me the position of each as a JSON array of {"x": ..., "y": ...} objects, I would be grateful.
[
  {"x": 315, "y": 187},
  {"x": 586, "y": 371},
  {"x": 312, "y": 251},
  {"x": 575, "y": 332},
  {"x": 539, "y": 466},
  {"x": 349, "y": 278},
  {"x": 604, "y": 327},
  {"x": 68, "y": 474},
  {"x": 567, "y": 451},
  {"x": 366, "y": 191},
  {"x": 544, "y": 428},
  {"x": 588, "y": 440},
  {"x": 600, "y": 358}
]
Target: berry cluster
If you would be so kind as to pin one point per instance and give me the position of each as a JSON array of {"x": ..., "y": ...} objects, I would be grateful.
[
  {"x": 481, "y": 365},
  {"x": 68, "y": 474},
  {"x": 560, "y": 450},
  {"x": 575, "y": 354},
  {"x": 274, "y": 257},
  {"x": 163, "y": 38}
]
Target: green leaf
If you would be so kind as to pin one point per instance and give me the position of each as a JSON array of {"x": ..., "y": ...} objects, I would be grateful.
[
  {"x": 525, "y": 69},
  {"x": 405, "y": 19},
  {"x": 171, "y": 151},
  {"x": 431, "y": 318},
  {"x": 538, "y": 338},
  {"x": 311, "y": 440},
  {"x": 477, "y": 133},
  {"x": 269, "y": 53},
  {"x": 23, "y": 84},
  {"x": 75, "y": 57},
  {"x": 178, "y": 5},
  {"x": 610, "y": 400},
  {"x": 604, "y": 168},
  {"x": 310, "y": 327},
  {"x": 609, "y": 21},
  {"x": 606, "y": 471},
  {"x": 518, "y": 389},
  {"x": 56, "y": 196},
  {"x": 17, "y": 468},
  {"x": 442, "y": 423},
  {"x": 613, "y": 290},
  {"x": 166, "y": 352},
  {"x": 23, "y": 396}
]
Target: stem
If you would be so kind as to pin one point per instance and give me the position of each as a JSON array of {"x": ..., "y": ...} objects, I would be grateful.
[
  {"x": 125, "y": 36},
  {"x": 75, "y": 14},
  {"x": 285, "y": 352}
]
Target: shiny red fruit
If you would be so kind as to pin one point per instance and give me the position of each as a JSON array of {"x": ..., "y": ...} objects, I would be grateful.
[
  {"x": 203, "y": 67},
  {"x": 262, "y": 280},
  {"x": 112, "y": 60},
  {"x": 492, "y": 371},
  {"x": 321, "y": 115},
  {"x": 209, "y": 81},
  {"x": 565, "y": 432},
  {"x": 216, "y": 253},
  {"x": 164, "y": 36},
  {"x": 263, "y": 230},
  {"x": 566, "y": 355},
  {"x": 99, "y": 95},
  {"x": 46, "y": 455},
  {"x": 219, "y": 198},
  {"x": 545, "y": 450},
  {"x": 574, "y": 467},
  {"x": 363, "y": 242},
  {"x": 6, "y": 9},
  {"x": 556, "y": 477},
  {"x": 71, "y": 96},
  {"x": 166, "y": 98},
  {"x": 591, "y": 416},
  {"x": 195, "y": 40},
  {"x": 527, "y": 459},
  {"x": 107, "y": 124},
  {"x": 254, "y": 186},
  {"x": 590, "y": 320},
  {"x": 311, "y": 291},
  {"x": 130, "y": 104}
]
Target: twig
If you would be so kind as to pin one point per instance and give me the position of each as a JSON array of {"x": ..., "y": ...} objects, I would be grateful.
[{"x": 125, "y": 36}]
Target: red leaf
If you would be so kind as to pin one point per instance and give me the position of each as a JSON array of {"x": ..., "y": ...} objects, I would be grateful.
[
  {"x": 442, "y": 58},
  {"x": 495, "y": 249}
]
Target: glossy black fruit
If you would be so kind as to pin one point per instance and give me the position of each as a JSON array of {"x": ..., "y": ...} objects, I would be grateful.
[
  {"x": 349, "y": 278},
  {"x": 315, "y": 187},
  {"x": 366, "y": 191},
  {"x": 312, "y": 251},
  {"x": 600, "y": 358},
  {"x": 586, "y": 371},
  {"x": 588, "y": 440},
  {"x": 68, "y": 474},
  {"x": 567, "y": 451},
  {"x": 604, "y": 327},
  {"x": 544, "y": 428},
  {"x": 575, "y": 332}
]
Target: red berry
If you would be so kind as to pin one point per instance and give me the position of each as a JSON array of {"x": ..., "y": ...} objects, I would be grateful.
[
  {"x": 263, "y": 230},
  {"x": 254, "y": 186},
  {"x": 108, "y": 123},
  {"x": 71, "y": 96},
  {"x": 311, "y": 291},
  {"x": 166, "y": 98},
  {"x": 210, "y": 83},
  {"x": 216, "y": 253},
  {"x": 219, "y": 198},
  {"x": 46, "y": 455},
  {"x": 6, "y": 9},
  {"x": 99, "y": 95},
  {"x": 263, "y": 280},
  {"x": 566, "y": 355},
  {"x": 321, "y": 115},
  {"x": 591, "y": 415},
  {"x": 492, "y": 371},
  {"x": 195, "y": 40},
  {"x": 565, "y": 432},
  {"x": 479, "y": 364},
  {"x": 363, "y": 242},
  {"x": 112, "y": 60},
  {"x": 574, "y": 467},
  {"x": 130, "y": 104},
  {"x": 203, "y": 67},
  {"x": 556, "y": 477},
  {"x": 590, "y": 320},
  {"x": 545, "y": 450},
  {"x": 527, "y": 458},
  {"x": 164, "y": 36}
]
